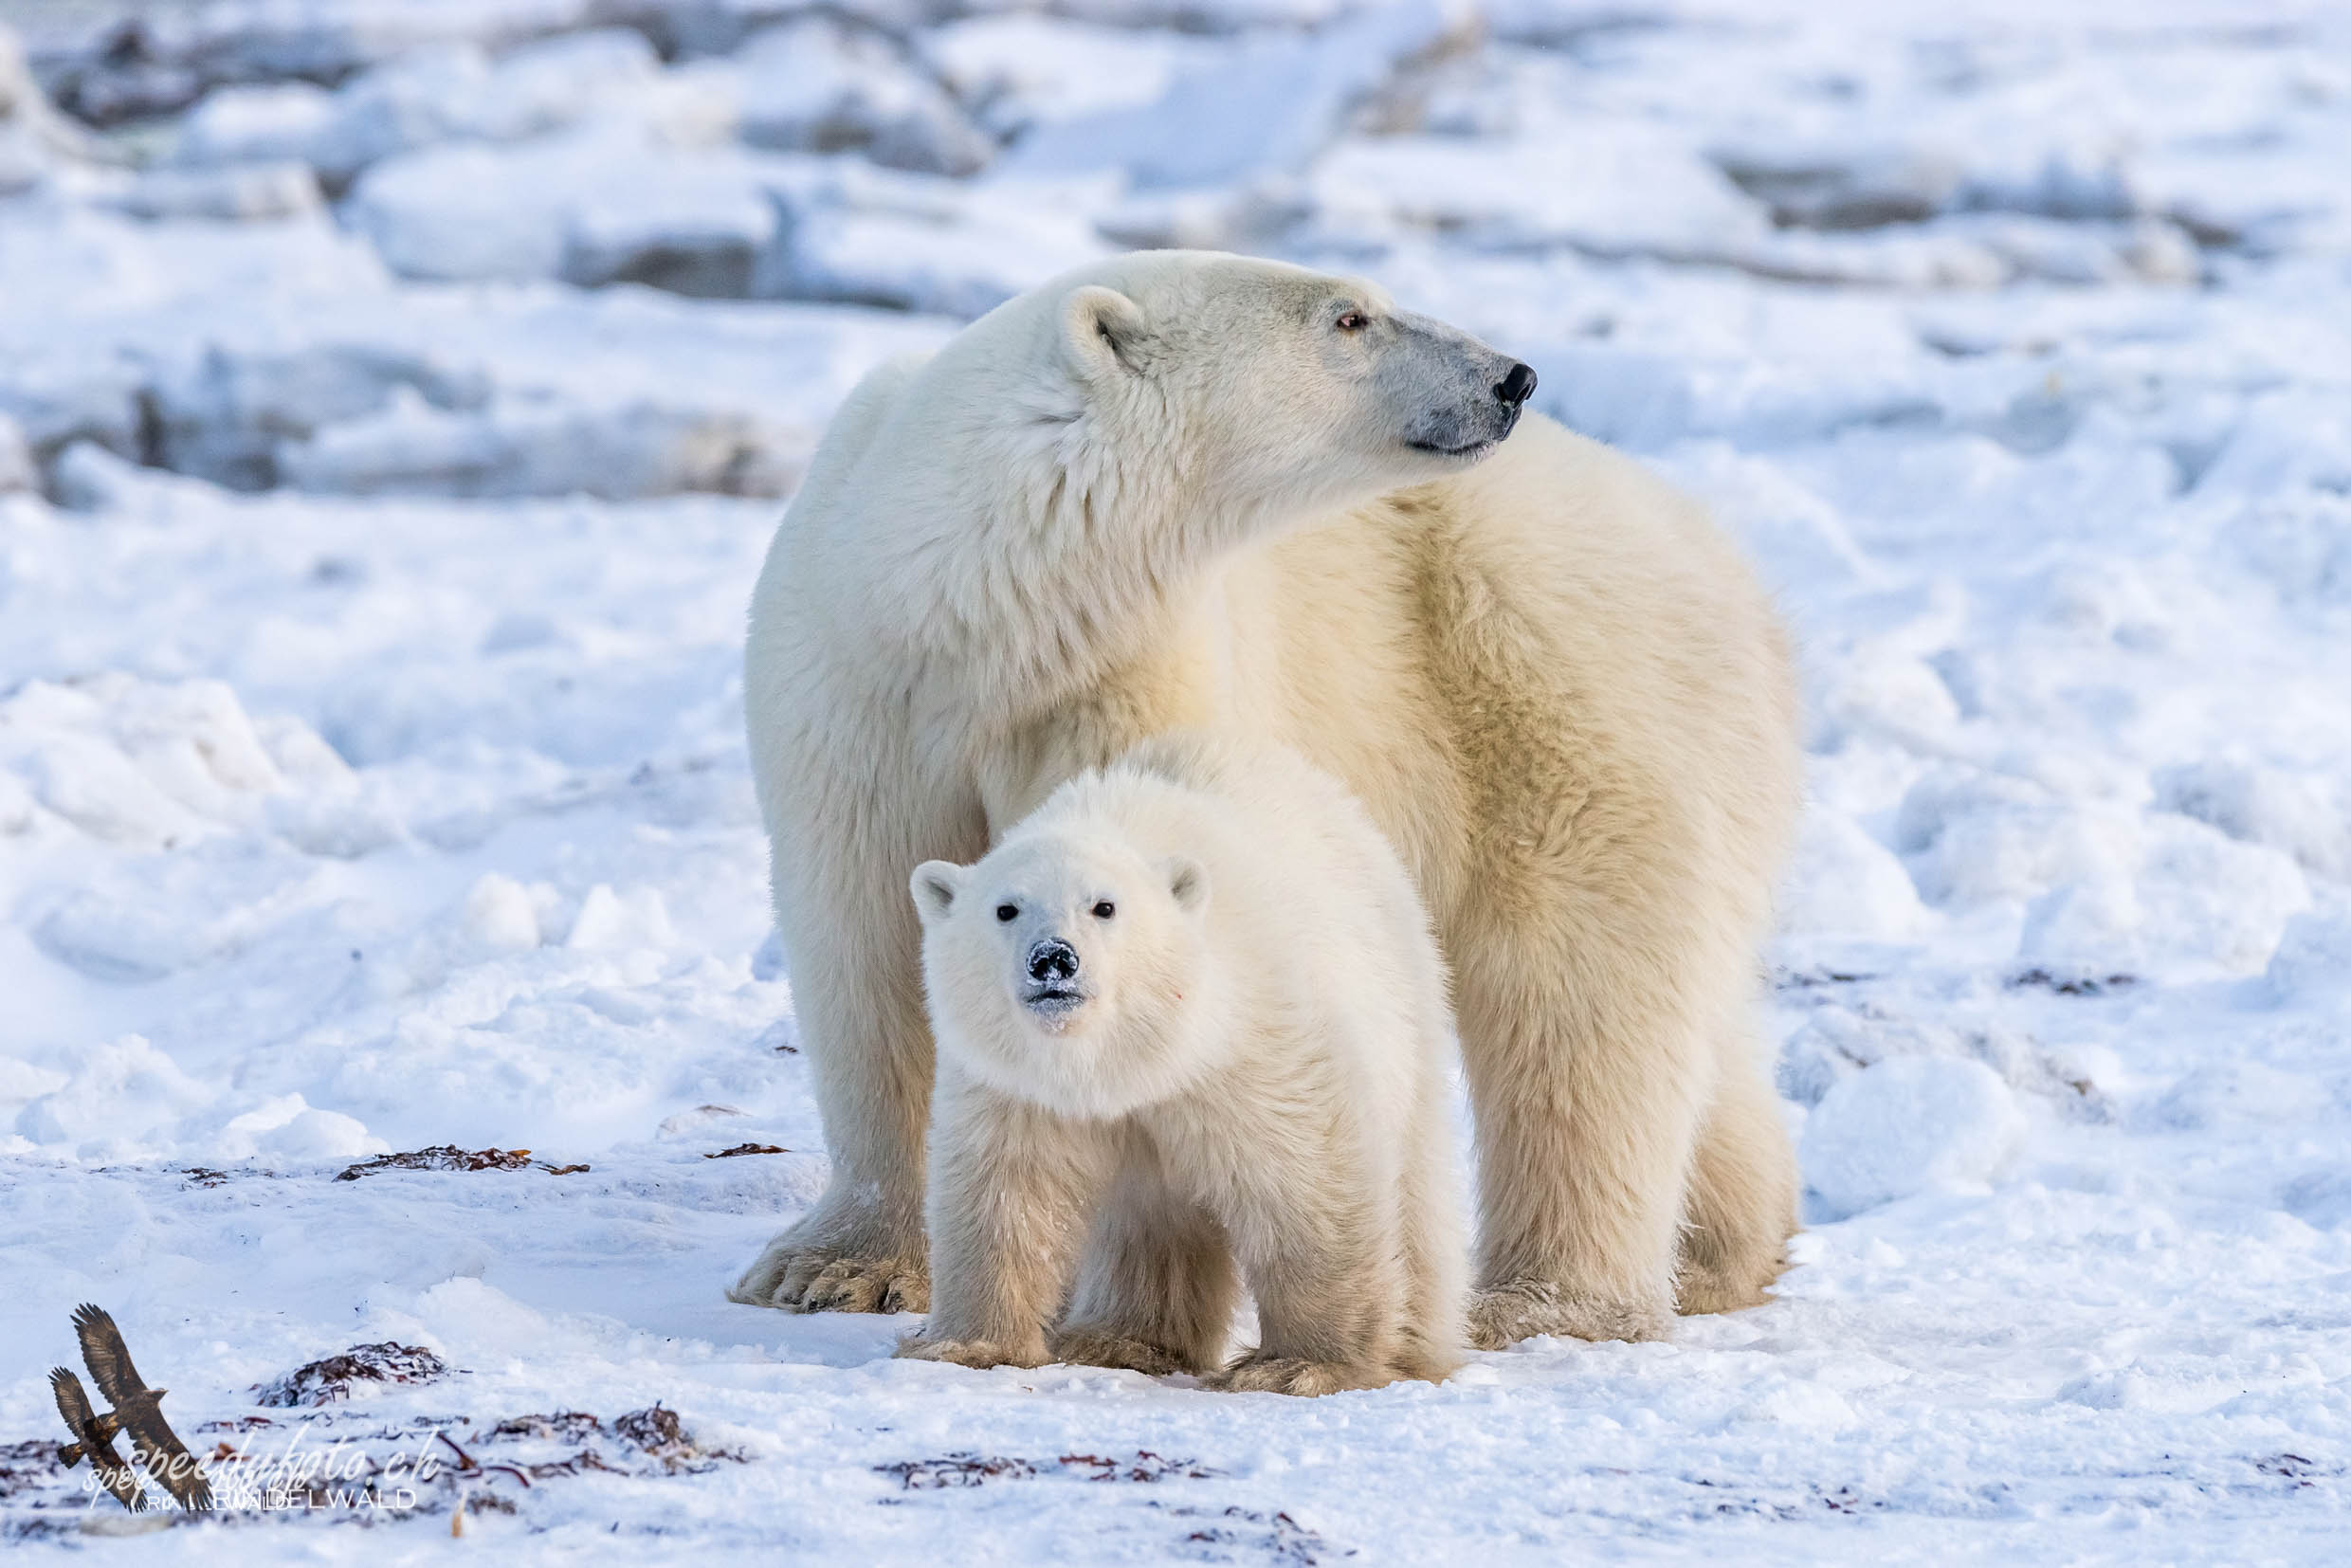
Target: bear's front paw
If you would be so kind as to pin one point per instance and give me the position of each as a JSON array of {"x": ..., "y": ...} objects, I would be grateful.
[
  {"x": 1257, "y": 1373},
  {"x": 800, "y": 1277},
  {"x": 1525, "y": 1308},
  {"x": 1091, "y": 1347},
  {"x": 969, "y": 1353}
]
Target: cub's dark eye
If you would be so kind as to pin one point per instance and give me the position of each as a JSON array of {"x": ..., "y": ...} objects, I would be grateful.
[
  {"x": 1008, "y": 911},
  {"x": 1351, "y": 321},
  {"x": 1104, "y": 910}
]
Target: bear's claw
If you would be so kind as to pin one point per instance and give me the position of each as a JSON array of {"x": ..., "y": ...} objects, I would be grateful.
[{"x": 796, "y": 1277}]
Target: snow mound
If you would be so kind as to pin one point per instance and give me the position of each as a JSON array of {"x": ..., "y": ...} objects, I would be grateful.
[
  {"x": 1023, "y": 69},
  {"x": 451, "y": 93},
  {"x": 153, "y": 764},
  {"x": 2313, "y": 959},
  {"x": 1907, "y": 1125},
  {"x": 1599, "y": 186},
  {"x": 122, "y": 1100},
  {"x": 817, "y": 85},
  {"x": 2103, "y": 890},
  {"x": 126, "y": 1099},
  {"x": 2306, "y": 813},
  {"x": 869, "y": 238},
  {"x": 1845, "y": 882},
  {"x": 2196, "y": 903},
  {"x": 1271, "y": 103},
  {"x": 165, "y": 60},
  {"x": 601, "y": 205},
  {"x": 537, "y": 446},
  {"x": 289, "y": 1127},
  {"x": 134, "y": 761}
]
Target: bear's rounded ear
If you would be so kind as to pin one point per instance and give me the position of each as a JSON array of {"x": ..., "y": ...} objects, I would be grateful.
[
  {"x": 934, "y": 885},
  {"x": 1102, "y": 330},
  {"x": 1187, "y": 883}
]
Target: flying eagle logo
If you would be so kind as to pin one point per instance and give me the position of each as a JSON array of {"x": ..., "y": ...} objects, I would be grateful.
[{"x": 138, "y": 1411}]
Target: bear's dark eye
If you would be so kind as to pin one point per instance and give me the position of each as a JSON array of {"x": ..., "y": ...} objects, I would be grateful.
[
  {"x": 1008, "y": 911},
  {"x": 1104, "y": 910},
  {"x": 1351, "y": 321}
]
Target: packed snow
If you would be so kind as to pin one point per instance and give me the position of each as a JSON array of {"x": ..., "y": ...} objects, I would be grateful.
[{"x": 396, "y": 400}]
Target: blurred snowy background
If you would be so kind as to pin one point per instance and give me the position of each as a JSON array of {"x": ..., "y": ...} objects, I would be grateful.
[{"x": 396, "y": 400}]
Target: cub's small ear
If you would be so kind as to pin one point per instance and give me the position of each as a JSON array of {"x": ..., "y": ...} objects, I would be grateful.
[
  {"x": 934, "y": 885},
  {"x": 1103, "y": 332},
  {"x": 1187, "y": 882}
]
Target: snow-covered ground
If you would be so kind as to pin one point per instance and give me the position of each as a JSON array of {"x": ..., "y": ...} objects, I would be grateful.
[{"x": 395, "y": 397}]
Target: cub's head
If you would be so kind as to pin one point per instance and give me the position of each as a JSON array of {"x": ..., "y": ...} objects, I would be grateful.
[
  {"x": 1061, "y": 968},
  {"x": 1274, "y": 387}
]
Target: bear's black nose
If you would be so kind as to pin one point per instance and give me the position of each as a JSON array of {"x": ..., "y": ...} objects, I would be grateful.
[
  {"x": 1052, "y": 959},
  {"x": 1517, "y": 386}
]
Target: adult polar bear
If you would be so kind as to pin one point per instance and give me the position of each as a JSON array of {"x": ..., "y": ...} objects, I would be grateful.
[{"x": 1179, "y": 490}]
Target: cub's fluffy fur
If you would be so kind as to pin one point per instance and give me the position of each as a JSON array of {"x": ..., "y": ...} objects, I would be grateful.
[{"x": 1195, "y": 999}]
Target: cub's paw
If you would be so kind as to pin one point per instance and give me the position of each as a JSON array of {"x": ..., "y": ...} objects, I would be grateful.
[
  {"x": 1093, "y": 1347},
  {"x": 813, "y": 1277},
  {"x": 968, "y": 1352},
  {"x": 1260, "y": 1374},
  {"x": 1524, "y": 1308}
]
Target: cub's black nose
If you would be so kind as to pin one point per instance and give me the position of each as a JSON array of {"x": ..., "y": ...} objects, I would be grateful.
[
  {"x": 1517, "y": 387},
  {"x": 1052, "y": 959}
]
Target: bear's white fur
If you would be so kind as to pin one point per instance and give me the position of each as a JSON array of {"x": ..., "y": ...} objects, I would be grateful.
[
  {"x": 1184, "y": 490},
  {"x": 1195, "y": 996}
]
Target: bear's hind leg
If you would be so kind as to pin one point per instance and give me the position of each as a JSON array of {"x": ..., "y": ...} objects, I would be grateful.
[
  {"x": 1156, "y": 1288},
  {"x": 1586, "y": 1089},
  {"x": 1743, "y": 1193}
]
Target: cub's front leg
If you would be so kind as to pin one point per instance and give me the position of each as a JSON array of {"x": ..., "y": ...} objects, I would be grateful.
[
  {"x": 1010, "y": 1188},
  {"x": 1326, "y": 1271},
  {"x": 1156, "y": 1287},
  {"x": 1320, "y": 1334}
]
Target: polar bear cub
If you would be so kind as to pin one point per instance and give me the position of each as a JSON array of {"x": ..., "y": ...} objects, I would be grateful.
[{"x": 1194, "y": 1002}]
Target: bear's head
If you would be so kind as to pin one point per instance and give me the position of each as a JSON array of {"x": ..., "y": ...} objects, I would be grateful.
[
  {"x": 1270, "y": 388},
  {"x": 1065, "y": 968}
]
